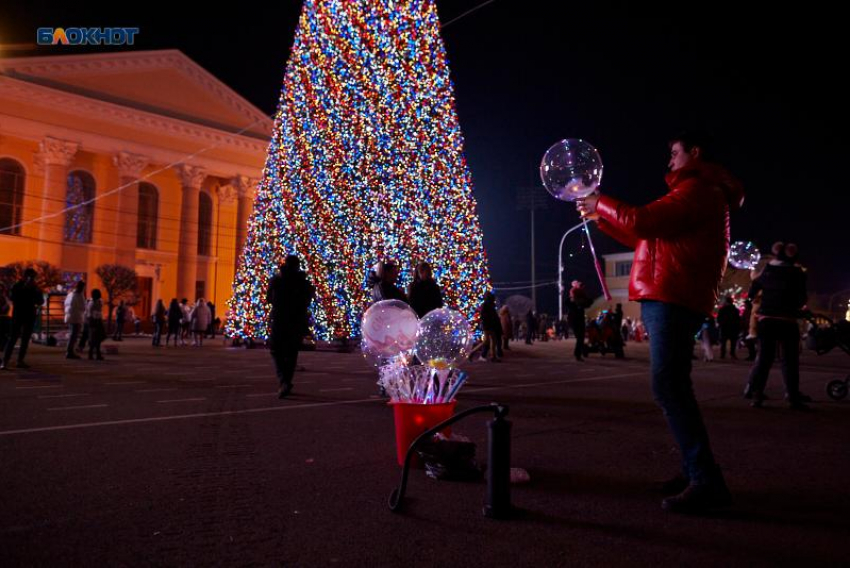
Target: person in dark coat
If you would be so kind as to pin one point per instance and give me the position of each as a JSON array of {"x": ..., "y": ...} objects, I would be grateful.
[
  {"x": 783, "y": 298},
  {"x": 212, "y": 327},
  {"x": 576, "y": 304},
  {"x": 289, "y": 294},
  {"x": 385, "y": 288},
  {"x": 424, "y": 293},
  {"x": 159, "y": 318},
  {"x": 120, "y": 318},
  {"x": 729, "y": 322},
  {"x": 26, "y": 299},
  {"x": 749, "y": 342},
  {"x": 530, "y": 327},
  {"x": 617, "y": 342},
  {"x": 175, "y": 321},
  {"x": 491, "y": 325},
  {"x": 5, "y": 318}
]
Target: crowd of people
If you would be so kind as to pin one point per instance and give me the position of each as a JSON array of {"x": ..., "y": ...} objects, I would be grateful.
[{"x": 20, "y": 308}]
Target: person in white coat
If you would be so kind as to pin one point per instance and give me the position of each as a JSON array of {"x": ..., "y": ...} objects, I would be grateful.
[
  {"x": 75, "y": 315},
  {"x": 201, "y": 319}
]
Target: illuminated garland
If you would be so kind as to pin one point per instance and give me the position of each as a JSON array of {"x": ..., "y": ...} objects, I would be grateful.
[{"x": 366, "y": 162}]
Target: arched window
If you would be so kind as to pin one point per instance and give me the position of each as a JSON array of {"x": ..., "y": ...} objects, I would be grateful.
[
  {"x": 11, "y": 196},
  {"x": 79, "y": 216},
  {"x": 205, "y": 214},
  {"x": 148, "y": 212}
]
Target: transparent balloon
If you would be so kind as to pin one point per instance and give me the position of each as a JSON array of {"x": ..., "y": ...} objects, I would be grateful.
[
  {"x": 744, "y": 255},
  {"x": 444, "y": 339},
  {"x": 571, "y": 169},
  {"x": 389, "y": 328}
]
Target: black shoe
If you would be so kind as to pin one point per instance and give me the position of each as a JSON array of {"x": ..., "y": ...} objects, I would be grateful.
[
  {"x": 800, "y": 398},
  {"x": 284, "y": 391},
  {"x": 22, "y": 365},
  {"x": 674, "y": 485},
  {"x": 798, "y": 405},
  {"x": 3, "y": 366},
  {"x": 697, "y": 499}
]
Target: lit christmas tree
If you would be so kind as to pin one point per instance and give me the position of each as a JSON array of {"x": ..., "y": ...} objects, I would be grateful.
[{"x": 366, "y": 163}]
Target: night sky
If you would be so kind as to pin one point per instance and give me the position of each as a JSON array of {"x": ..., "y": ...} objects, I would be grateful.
[{"x": 766, "y": 83}]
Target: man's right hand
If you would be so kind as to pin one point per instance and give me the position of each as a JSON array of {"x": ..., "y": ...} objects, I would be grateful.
[{"x": 587, "y": 206}]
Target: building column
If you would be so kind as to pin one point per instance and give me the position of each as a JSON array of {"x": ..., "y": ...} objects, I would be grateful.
[
  {"x": 191, "y": 178},
  {"x": 130, "y": 168},
  {"x": 54, "y": 156},
  {"x": 225, "y": 194},
  {"x": 245, "y": 191}
]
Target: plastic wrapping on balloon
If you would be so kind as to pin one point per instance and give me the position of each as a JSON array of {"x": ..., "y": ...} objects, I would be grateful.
[{"x": 389, "y": 329}]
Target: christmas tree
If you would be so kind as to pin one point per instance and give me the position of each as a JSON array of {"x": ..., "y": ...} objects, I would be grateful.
[{"x": 366, "y": 163}]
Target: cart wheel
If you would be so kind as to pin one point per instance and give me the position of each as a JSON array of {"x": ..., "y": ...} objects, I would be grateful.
[{"x": 836, "y": 390}]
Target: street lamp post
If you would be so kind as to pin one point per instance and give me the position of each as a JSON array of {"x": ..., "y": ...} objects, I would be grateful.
[{"x": 561, "y": 270}]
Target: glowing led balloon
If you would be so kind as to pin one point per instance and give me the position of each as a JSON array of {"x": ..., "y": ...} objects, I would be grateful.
[
  {"x": 744, "y": 255},
  {"x": 444, "y": 339},
  {"x": 389, "y": 328},
  {"x": 571, "y": 169}
]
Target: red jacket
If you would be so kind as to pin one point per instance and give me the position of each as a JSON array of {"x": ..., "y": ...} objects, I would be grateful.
[{"x": 681, "y": 240}]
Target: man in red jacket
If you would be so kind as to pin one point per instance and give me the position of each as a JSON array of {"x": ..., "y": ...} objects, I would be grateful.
[{"x": 681, "y": 242}]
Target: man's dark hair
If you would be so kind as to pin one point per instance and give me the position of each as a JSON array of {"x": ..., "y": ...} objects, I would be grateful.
[{"x": 690, "y": 139}]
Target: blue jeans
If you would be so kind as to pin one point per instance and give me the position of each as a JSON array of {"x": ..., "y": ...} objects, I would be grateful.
[{"x": 671, "y": 331}]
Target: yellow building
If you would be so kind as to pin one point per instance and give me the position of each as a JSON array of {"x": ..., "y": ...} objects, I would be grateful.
[
  {"x": 618, "y": 267},
  {"x": 142, "y": 159}
]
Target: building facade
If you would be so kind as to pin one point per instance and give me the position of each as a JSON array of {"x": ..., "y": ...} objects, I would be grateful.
[
  {"x": 618, "y": 267},
  {"x": 142, "y": 159}
]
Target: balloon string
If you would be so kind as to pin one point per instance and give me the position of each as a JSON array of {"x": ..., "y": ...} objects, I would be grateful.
[{"x": 596, "y": 262}]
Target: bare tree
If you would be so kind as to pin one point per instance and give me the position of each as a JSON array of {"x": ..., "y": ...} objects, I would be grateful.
[
  {"x": 47, "y": 276},
  {"x": 120, "y": 283}
]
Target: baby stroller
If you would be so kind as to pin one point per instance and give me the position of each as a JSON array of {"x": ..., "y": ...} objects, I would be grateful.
[
  {"x": 597, "y": 338},
  {"x": 824, "y": 336}
]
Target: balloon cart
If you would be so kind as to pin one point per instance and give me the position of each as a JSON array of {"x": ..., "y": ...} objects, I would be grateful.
[
  {"x": 423, "y": 396},
  {"x": 498, "y": 501}
]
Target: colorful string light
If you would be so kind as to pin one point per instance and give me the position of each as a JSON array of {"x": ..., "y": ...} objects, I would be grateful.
[{"x": 366, "y": 163}]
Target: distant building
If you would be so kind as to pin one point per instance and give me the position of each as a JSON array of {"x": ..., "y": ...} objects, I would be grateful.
[{"x": 618, "y": 267}]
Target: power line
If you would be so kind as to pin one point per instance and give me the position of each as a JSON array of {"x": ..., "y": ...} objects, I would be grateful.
[
  {"x": 147, "y": 176},
  {"x": 471, "y": 10}
]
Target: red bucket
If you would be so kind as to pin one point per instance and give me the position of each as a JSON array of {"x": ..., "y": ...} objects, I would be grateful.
[{"x": 411, "y": 420}]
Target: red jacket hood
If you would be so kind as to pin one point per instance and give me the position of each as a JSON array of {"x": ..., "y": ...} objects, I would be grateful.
[{"x": 714, "y": 174}]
